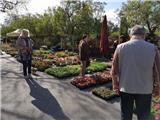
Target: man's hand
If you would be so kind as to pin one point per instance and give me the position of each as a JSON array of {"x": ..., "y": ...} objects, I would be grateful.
[
  {"x": 28, "y": 50},
  {"x": 115, "y": 73},
  {"x": 115, "y": 86}
]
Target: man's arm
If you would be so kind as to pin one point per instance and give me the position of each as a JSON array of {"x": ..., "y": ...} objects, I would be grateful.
[
  {"x": 115, "y": 73},
  {"x": 156, "y": 90}
]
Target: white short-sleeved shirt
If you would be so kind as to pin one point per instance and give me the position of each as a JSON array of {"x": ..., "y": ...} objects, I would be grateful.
[{"x": 136, "y": 61}]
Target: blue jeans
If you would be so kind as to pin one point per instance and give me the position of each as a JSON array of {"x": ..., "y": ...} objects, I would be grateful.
[
  {"x": 26, "y": 67},
  {"x": 140, "y": 102}
]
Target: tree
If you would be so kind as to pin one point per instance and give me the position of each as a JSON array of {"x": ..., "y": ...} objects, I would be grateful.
[
  {"x": 142, "y": 12},
  {"x": 112, "y": 27},
  {"x": 67, "y": 21},
  {"x": 123, "y": 28},
  {"x": 73, "y": 18},
  {"x": 7, "y": 5}
]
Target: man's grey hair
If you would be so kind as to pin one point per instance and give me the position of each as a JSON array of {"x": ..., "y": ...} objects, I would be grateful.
[{"x": 137, "y": 30}]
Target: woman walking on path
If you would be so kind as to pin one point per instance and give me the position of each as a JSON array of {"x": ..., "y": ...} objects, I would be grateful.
[{"x": 25, "y": 44}]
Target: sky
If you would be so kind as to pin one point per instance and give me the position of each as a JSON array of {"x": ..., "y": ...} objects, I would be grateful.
[{"x": 36, "y": 6}]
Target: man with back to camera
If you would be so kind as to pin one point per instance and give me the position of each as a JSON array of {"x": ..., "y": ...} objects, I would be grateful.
[{"x": 134, "y": 63}]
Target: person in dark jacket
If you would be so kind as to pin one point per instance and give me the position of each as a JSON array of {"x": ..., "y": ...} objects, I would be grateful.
[
  {"x": 24, "y": 45},
  {"x": 122, "y": 39},
  {"x": 84, "y": 54}
]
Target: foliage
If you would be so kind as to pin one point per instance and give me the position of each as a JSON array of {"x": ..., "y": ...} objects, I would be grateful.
[
  {"x": 142, "y": 12},
  {"x": 155, "y": 110},
  {"x": 62, "y": 72},
  {"x": 7, "y": 5},
  {"x": 40, "y": 65},
  {"x": 41, "y": 52},
  {"x": 104, "y": 93},
  {"x": 114, "y": 35},
  {"x": 50, "y": 56},
  {"x": 105, "y": 75},
  {"x": 66, "y": 22},
  {"x": 96, "y": 66},
  {"x": 123, "y": 27},
  {"x": 5, "y": 47},
  {"x": 60, "y": 54},
  {"x": 72, "y": 70},
  {"x": 112, "y": 27},
  {"x": 88, "y": 81},
  {"x": 9, "y": 49},
  {"x": 84, "y": 82},
  {"x": 70, "y": 60}
]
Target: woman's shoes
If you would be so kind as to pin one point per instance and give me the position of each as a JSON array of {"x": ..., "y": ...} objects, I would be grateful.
[{"x": 28, "y": 76}]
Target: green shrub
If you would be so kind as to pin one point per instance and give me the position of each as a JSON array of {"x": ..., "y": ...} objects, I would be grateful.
[
  {"x": 62, "y": 72},
  {"x": 96, "y": 66},
  {"x": 114, "y": 35},
  {"x": 60, "y": 54},
  {"x": 40, "y": 65},
  {"x": 40, "y": 52},
  {"x": 72, "y": 70},
  {"x": 71, "y": 53}
]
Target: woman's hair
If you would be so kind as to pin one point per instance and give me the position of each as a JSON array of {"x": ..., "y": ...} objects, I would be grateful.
[
  {"x": 23, "y": 31},
  {"x": 84, "y": 35},
  {"x": 122, "y": 39}
]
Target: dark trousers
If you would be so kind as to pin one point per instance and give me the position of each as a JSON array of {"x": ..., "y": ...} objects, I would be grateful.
[
  {"x": 140, "y": 102},
  {"x": 27, "y": 67}
]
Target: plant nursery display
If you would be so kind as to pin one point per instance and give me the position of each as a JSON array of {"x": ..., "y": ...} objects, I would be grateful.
[
  {"x": 104, "y": 93},
  {"x": 83, "y": 82}
]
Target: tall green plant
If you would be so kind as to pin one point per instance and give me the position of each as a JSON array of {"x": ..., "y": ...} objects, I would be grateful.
[{"x": 123, "y": 27}]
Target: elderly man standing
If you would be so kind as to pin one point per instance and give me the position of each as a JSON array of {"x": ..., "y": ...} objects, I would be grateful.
[{"x": 132, "y": 71}]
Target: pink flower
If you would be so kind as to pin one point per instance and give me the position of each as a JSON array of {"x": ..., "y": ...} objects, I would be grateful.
[
  {"x": 158, "y": 106},
  {"x": 157, "y": 117}
]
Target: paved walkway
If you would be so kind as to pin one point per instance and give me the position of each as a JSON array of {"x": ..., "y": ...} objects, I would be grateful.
[{"x": 47, "y": 98}]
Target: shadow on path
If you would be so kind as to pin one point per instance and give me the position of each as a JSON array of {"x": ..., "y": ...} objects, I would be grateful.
[{"x": 45, "y": 101}]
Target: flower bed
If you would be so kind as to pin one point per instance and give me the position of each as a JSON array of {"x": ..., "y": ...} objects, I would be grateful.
[
  {"x": 103, "y": 76},
  {"x": 64, "y": 54},
  {"x": 88, "y": 81},
  {"x": 96, "y": 66},
  {"x": 61, "y": 72},
  {"x": 71, "y": 70},
  {"x": 156, "y": 108},
  {"x": 83, "y": 82},
  {"x": 71, "y": 60},
  {"x": 13, "y": 53},
  {"x": 9, "y": 49},
  {"x": 41, "y": 54},
  {"x": 104, "y": 93},
  {"x": 40, "y": 65}
]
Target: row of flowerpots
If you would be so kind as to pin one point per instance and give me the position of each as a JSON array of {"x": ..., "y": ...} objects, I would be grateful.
[
  {"x": 104, "y": 93},
  {"x": 48, "y": 54},
  {"x": 88, "y": 81},
  {"x": 60, "y": 61},
  {"x": 156, "y": 108},
  {"x": 72, "y": 70}
]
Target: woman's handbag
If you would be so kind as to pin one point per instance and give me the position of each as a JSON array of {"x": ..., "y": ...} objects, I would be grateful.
[{"x": 19, "y": 58}]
